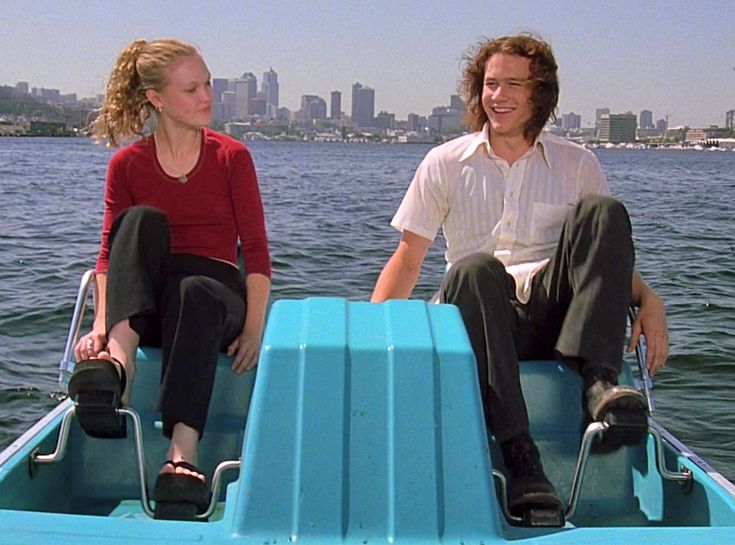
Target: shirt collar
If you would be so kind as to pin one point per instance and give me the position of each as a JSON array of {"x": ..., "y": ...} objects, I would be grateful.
[{"x": 480, "y": 138}]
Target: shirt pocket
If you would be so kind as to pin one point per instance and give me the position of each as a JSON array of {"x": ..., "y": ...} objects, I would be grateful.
[{"x": 547, "y": 221}]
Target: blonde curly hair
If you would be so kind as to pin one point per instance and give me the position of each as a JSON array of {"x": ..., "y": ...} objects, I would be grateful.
[{"x": 141, "y": 66}]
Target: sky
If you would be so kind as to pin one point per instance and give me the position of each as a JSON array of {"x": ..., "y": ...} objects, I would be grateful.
[{"x": 669, "y": 56}]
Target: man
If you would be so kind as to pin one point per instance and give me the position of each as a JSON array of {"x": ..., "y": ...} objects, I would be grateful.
[{"x": 540, "y": 258}]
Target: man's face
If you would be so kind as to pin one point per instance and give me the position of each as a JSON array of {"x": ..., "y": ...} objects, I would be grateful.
[{"x": 506, "y": 94}]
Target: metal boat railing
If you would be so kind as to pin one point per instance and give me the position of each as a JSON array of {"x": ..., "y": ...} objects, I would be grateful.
[
  {"x": 644, "y": 384},
  {"x": 67, "y": 363},
  {"x": 66, "y": 368}
]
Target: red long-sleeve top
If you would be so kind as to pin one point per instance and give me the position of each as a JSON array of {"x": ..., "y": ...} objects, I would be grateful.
[{"x": 219, "y": 203}]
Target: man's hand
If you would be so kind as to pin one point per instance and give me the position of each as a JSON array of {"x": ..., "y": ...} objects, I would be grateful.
[{"x": 651, "y": 322}]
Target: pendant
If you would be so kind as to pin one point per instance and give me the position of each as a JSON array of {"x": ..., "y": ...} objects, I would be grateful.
[{"x": 183, "y": 179}]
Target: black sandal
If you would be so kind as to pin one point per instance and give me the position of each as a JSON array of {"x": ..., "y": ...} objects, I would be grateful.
[
  {"x": 179, "y": 496},
  {"x": 96, "y": 387}
]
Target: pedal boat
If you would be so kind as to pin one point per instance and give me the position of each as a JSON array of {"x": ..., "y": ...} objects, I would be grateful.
[{"x": 364, "y": 426}]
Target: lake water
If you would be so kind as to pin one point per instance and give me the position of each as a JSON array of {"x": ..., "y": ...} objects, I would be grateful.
[{"x": 328, "y": 208}]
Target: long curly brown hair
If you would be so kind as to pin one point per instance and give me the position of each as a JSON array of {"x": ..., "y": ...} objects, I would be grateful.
[
  {"x": 544, "y": 82},
  {"x": 141, "y": 66}
]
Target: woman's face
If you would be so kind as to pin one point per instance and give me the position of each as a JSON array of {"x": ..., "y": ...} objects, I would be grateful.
[{"x": 186, "y": 97}]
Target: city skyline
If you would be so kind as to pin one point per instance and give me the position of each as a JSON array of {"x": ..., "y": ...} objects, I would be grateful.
[{"x": 660, "y": 56}]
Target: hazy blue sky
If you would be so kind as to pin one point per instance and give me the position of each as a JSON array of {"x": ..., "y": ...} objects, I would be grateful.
[{"x": 674, "y": 57}]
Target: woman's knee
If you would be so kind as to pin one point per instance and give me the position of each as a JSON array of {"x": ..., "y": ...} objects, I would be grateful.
[{"x": 142, "y": 219}]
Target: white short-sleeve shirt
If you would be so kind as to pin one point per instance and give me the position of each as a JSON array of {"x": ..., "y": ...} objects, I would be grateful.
[{"x": 514, "y": 212}]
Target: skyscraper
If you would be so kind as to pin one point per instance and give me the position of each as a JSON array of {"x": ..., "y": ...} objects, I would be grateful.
[
  {"x": 335, "y": 105},
  {"x": 363, "y": 105},
  {"x": 645, "y": 120},
  {"x": 246, "y": 88},
  {"x": 269, "y": 87},
  {"x": 313, "y": 108},
  {"x": 599, "y": 112},
  {"x": 730, "y": 119}
]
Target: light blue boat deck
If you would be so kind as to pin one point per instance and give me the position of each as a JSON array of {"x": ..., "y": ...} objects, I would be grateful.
[{"x": 364, "y": 426}]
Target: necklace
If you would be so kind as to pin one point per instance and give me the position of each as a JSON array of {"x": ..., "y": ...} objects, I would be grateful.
[{"x": 183, "y": 179}]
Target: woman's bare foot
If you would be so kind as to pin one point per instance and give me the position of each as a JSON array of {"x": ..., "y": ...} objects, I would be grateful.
[{"x": 184, "y": 441}]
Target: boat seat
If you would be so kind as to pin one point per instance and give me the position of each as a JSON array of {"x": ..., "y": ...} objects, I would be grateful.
[
  {"x": 228, "y": 409},
  {"x": 366, "y": 426}
]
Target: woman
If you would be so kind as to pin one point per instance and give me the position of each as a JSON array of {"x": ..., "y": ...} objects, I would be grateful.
[{"x": 176, "y": 203}]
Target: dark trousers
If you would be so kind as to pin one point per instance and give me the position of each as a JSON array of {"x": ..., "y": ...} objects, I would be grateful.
[
  {"x": 577, "y": 311},
  {"x": 191, "y": 306}
]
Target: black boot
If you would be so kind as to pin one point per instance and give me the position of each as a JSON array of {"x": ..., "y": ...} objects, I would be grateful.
[
  {"x": 530, "y": 494},
  {"x": 623, "y": 408}
]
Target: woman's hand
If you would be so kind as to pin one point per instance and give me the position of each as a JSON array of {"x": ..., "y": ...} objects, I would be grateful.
[
  {"x": 90, "y": 345},
  {"x": 245, "y": 349}
]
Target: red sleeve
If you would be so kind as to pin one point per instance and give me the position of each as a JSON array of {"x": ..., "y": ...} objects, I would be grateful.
[
  {"x": 117, "y": 199},
  {"x": 248, "y": 209}
]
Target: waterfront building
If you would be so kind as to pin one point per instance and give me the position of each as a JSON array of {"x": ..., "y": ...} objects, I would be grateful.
[
  {"x": 445, "y": 119},
  {"x": 415, "y": 122},
  {"x": 257, "y": 106},
  {"x": 617, "y": 128},
  {"x": 385, "y": 120},
  {"x": 22, "y": 88},
  {"x": 246, "y": 87},
  {"x": 219, "y": 86},
  {"x": 599, "y": 112},
  {"x": 269, "y": 88},
  {"x": 571, "y": 121},
  {"x": 730, "y": 119},
  {"x": 335, "y": 105},
  {"x": 645, "y": 120},
  {"x": 228, "y": 105},
  {"x": 363, "y": 105},
  {"x": 313, "y": 108},
  {"x": 456, "y": 103}
]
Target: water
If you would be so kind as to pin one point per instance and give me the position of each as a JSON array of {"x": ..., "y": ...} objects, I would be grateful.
[{"x": 328, "y": 208}]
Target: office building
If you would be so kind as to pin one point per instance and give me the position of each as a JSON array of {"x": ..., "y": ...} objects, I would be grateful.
[
  {"x": 313, "y": 108},
  {"x": 617, "y": 128},
  {"x": 22, "y": 87},
  {"x": 730, "y": 119},
  {"x": 571, "y": 121},
  {"x": 219, "y": 86},
  {"x": 363, "y": 105},
  {"x": 269, "y": 88},
  {"x": 645, "y": 120},
  {"x": 599, "y": 112},
  {"x": 335, "y": 105},
  {"x": 246, "y": 87},
  {"x": 415, "y": 122},
  {"x": 385, "y": 120}
]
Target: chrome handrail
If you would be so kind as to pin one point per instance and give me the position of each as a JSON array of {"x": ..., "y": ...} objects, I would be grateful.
[
  {"x": 217, "y": 485},
  {"x": 67, "y": 363},
  {"x": 60, "y": 450},
  {"x": 644, "y": 383}
]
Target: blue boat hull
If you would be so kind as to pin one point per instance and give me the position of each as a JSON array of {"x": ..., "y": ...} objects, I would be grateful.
[{"x": 364, "y": 426}]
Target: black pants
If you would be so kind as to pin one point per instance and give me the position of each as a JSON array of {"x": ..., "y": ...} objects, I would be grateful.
[
  {"x": 191, "y": 306},
  {"x": 577, "y": 310}
]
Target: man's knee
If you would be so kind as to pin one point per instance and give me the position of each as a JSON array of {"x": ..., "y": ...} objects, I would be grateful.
[
  {"x": 479, "y": 265},
  {"x": 604, "y": 207},
  {"x": 605, "y": 215}
]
